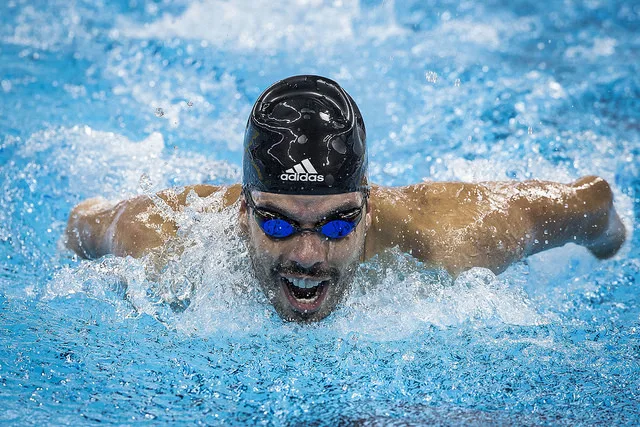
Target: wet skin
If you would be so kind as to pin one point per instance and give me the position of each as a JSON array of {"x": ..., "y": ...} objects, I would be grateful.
[
  {"x": 452, "y": 225},
  {"x": 306, "y": 256}
]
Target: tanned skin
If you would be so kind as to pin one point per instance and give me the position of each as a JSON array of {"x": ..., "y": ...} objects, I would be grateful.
[{"x": 451, "y": 225}]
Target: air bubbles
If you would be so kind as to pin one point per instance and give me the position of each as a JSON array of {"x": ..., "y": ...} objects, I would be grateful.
[{"x": 159, "y": 112}]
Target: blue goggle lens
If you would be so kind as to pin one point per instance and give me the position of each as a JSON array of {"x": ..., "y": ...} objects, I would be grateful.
[
  {"x": 337, "y": 228},
  {"x": 278, "y": 228}
]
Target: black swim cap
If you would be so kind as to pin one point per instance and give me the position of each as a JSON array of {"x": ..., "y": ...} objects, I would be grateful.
[{"x": 305, "y": 135}]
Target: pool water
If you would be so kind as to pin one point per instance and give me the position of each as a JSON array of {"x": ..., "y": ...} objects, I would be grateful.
[{"x": 123, "y": 98}]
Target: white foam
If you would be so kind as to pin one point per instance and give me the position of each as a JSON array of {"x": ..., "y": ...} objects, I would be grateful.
[
  {"x": 400, "y": 299},
  {"x": 97, "y": 163},
  {"x": 207, "y": 273},
  {"x": 34, "y": 28},
  {"x": 199, "y": 283},
  {"x": 473, "y": 32},
  {"x": 602, "y": 46},
  {"x": 303, "y": 24}
]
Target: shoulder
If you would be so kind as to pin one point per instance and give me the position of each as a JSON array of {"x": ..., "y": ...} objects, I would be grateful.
[{"x": 436, "y": 195}]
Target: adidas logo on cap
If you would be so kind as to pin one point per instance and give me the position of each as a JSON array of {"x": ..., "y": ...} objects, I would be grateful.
[{"x": 303, "y": 171}]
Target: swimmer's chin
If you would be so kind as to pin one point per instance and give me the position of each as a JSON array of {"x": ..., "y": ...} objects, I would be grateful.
[{"x": 289, "y": 313}]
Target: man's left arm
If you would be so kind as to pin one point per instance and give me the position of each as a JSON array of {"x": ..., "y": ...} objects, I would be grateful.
[{"x": 459, "y": 226}]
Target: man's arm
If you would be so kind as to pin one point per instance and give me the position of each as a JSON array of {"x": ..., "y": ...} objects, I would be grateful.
[
  {"x": 131, "y": 227},
  {"x": 459, "y": 226}
]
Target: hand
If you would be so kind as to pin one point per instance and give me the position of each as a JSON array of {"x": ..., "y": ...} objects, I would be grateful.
[
  {"x": 84, "y": 226},
  {"x": 601, "y": 216},
  {"x": 610, "y": 241}
]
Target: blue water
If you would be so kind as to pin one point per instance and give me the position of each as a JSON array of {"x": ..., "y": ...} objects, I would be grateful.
[{"x": 127, "y": 97}]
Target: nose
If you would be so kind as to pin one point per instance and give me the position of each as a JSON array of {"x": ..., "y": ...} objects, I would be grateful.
[{"x": 308, "y": 250}]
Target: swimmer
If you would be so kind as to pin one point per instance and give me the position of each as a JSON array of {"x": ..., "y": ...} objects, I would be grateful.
[{"x": 310, "y": 216}]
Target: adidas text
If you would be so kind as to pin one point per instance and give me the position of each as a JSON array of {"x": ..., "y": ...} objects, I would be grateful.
[{"x": 301, "y": 177}]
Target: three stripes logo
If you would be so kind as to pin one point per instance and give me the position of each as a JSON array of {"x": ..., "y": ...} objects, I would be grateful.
[{"x": 303, "y": 171}]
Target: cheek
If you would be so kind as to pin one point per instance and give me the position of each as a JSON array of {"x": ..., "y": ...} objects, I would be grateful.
[
  {"x": 347, "y": 252},
  {"x": 262, "y": 249}
]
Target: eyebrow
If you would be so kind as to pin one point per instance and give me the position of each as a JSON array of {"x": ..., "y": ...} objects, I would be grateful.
[{"x": 345, "y": 207}]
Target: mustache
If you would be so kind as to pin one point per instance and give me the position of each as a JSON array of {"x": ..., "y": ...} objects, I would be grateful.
[{"x": 297, "y": 269}]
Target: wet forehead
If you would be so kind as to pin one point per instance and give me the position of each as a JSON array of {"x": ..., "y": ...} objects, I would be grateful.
[{"x": 307, "y": 207}]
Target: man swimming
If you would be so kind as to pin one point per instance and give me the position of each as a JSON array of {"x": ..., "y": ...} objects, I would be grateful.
[{"x": 310, "y": 216}]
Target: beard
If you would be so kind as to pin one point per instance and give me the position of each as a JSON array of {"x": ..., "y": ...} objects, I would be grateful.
[{"x": 293, "y": 303}]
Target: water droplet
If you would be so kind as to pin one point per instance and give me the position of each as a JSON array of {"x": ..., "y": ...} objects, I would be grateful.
[
  {"x": 408, "y": 357},
  {"x": 159, "y": 112},
  {"x": 145, "y": 184}
]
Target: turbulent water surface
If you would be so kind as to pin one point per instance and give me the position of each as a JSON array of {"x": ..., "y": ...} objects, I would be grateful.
[{"x": 123, "y": 98}]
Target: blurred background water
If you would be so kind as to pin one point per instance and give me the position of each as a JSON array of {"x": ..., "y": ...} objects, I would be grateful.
[{"x": 127, "y": 97}]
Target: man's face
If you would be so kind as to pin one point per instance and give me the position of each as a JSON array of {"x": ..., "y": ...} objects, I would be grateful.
[{"x": 304, "y": 276}]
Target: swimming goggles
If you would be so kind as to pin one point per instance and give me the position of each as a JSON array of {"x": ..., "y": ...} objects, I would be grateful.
[{"x": 278, "y": 226}]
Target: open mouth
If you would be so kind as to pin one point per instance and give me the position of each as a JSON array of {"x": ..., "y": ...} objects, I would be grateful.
[{"x": 305, "y": 294}]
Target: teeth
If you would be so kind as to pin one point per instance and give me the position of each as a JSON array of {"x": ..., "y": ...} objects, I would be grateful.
[{"x": 304, "y": 283}]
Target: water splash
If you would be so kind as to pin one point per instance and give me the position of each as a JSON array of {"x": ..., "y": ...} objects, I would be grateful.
[{"x": 202, "y": 283}]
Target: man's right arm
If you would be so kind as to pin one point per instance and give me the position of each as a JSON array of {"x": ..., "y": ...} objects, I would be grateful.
[{"x": 132, "y": 227}]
